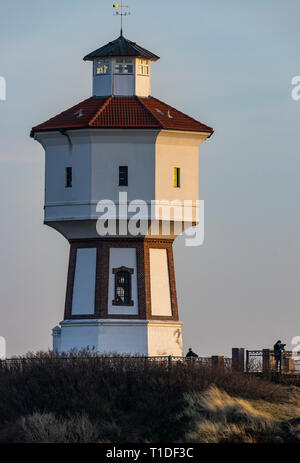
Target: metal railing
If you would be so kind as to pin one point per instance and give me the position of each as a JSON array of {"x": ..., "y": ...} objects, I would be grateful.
[
  {"x": 267, "y": 360},
  {"x": 214, "y": 361},
  {"x": 255, "y": 361}
]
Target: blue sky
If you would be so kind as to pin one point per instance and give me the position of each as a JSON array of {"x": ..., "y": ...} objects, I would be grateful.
[{"x": 228, "y": 63}]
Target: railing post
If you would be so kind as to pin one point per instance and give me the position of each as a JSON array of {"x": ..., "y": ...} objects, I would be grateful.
[
  {"x": 281, "y": 361},
  {"x": 247, "y": 361},
  {"x": 268, "y": 361},
  {"x": 217, "y": 361},
  {"x": 288, "y": 363},
  {"x": 170, "y": 360},
  {"x": 238, "y": 359}
]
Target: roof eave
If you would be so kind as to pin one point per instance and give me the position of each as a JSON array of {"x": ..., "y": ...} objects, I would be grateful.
[
  {"x": 91, "y": 57},
  {"x": 34, "y": 131},
  {"x": 85, "y": 127}
]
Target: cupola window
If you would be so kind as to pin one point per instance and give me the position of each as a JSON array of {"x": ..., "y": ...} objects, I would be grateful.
[
  {"x": 123, "y": 286},
  {"x": 102, "y": 66},
  {"x": 124, "y": 66},
  {"x": 143, "y": 67}
]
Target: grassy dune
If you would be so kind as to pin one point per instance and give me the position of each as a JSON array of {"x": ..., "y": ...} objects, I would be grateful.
[{"x": 96, "y": 399}]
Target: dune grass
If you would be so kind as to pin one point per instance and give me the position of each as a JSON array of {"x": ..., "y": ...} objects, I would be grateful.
[
  {"x": 217, "y": 417},
  {"x": 96, "y": 399}
]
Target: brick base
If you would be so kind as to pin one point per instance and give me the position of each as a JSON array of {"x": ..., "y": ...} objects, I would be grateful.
[{"x": 103, "y": 246}]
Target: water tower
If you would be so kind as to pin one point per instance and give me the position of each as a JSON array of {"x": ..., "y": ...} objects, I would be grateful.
[{"x": 121, "y": 146}]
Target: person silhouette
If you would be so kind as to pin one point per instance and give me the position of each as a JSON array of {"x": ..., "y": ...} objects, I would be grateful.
[
  {"x": 278, "y": 353},
  {"x": 191, "y": 354}
]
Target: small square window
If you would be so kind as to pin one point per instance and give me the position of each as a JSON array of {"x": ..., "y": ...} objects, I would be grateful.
[
  {"x": 119, "y": 69},
  {"x": 123, "y": 176},
  {"x": 102, "y": 66},
  {"x": 68, "y": 177},
  {"x": 143, "y": 67},
  {"x": 124, "y": 66},
  {"x": 128, "y": 69},
  {"x": 176, "y": 177}
]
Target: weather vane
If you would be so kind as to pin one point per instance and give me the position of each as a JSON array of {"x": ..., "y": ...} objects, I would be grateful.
[{"x": 121, "y": 10}]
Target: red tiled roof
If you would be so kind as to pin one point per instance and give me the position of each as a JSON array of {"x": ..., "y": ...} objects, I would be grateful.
[{"x": 123, "y": 112}]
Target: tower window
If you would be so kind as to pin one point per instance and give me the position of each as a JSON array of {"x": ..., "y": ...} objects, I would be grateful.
[
  {"x": 143, "y": 67},
  {"x": 68, "y": 177},
  {"x": 124, "y": 66},
  {"x": 102, "y": 66},
  {"x": 123, "y": 286},
  {"x": 176, "y": 177},
  {"x": 123, "y": 176}
]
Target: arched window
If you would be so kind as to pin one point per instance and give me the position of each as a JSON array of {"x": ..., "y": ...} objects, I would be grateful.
[{"x": 122, "y": 286}]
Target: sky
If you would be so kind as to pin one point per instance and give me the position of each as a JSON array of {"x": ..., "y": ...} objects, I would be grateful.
[{"x": 227, "y": 63}]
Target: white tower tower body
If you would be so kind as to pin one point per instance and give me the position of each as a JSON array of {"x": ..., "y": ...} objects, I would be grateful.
[{"x": 117, "y": 147}]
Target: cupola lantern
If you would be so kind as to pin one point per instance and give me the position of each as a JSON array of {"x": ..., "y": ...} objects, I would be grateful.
[{"x": 121, "y": 68}]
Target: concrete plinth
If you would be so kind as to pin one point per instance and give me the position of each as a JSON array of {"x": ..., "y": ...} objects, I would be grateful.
[{"x": 131, "y": 337}]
